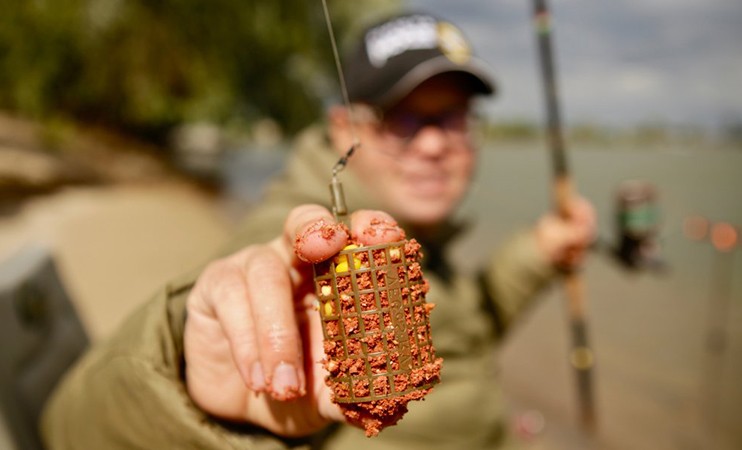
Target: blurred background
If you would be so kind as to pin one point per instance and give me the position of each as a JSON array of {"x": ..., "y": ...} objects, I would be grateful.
[{"x": 134, "y": 135}]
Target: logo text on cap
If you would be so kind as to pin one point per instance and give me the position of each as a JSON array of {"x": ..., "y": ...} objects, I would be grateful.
[{"x": 399, "y": 36}]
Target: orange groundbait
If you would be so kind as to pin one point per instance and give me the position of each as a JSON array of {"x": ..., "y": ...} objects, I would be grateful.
[{"x": 376, "y": 323}]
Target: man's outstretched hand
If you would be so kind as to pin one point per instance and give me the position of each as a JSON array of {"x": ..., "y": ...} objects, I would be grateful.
[{"x": 253, "y": 340}]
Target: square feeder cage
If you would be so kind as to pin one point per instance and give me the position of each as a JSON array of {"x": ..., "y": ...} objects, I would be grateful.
[{"x": 375, "y": 322}]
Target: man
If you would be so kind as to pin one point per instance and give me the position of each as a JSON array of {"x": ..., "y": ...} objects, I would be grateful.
[{"x": 240, "y": 368}]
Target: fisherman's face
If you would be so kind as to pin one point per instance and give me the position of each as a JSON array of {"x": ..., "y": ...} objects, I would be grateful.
[{"x": 418, "y": 158}]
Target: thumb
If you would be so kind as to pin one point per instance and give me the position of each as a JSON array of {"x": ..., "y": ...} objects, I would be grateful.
[{"x": 312, "y": 234}]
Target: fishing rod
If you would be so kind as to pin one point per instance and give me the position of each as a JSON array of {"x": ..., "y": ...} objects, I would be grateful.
[{"x": 581, "y": 355}]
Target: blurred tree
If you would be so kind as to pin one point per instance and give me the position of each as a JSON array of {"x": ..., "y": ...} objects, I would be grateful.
[{"x": 144, "y": 66}]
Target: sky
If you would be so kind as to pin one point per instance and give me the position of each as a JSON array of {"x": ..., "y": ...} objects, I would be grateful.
[{"x": 620, "y": 63}]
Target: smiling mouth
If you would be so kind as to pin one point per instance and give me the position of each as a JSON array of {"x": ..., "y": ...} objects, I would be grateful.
[{"x": 427, "y": 185}]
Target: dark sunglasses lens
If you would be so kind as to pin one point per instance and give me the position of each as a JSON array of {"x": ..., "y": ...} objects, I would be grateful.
[
  {"x": 455, "y": 121},
  {"x": 403, "y": 125}
]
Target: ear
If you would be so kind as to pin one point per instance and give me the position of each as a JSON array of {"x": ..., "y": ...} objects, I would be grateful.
[{"x": 339, "y": 128}]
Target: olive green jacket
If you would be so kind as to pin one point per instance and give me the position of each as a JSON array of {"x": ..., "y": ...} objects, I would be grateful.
[{"x": 128, "y": 392}]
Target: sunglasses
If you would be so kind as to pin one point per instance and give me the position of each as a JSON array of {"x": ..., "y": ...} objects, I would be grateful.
[{"x": 405, "y": 125}]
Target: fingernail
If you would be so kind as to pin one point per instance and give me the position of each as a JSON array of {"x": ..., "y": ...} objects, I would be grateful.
[
  {"x": 257, "y": 377},
  {"x": 285, "y": 382}
]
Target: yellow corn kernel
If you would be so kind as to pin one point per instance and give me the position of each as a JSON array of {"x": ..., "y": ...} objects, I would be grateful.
[
  {"x": 341, "y": 261},
  {"x": 328, "y": 308},
  {"x": 341, "y": 267},
  {"x": 340, "y": 258}
]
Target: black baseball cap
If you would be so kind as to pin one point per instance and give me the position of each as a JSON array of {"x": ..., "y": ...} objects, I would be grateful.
[{"x": 396, "y": 55}]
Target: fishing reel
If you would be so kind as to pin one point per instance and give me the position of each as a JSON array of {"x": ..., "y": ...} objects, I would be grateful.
[{"x": 637, "y": 224}]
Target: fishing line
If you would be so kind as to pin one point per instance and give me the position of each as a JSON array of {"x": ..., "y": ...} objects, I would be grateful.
[
  {"x": 336, "y": 189},
  {"x": 341, "y": 75}
]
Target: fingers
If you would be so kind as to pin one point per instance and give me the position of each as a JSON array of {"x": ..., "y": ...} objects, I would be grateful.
[
  {"x": 564, "y": 239},
  {"x": 211, "y": 357},
  {"x": 315, "y": 236},
  {"x": 277, "y": 335},
  {"x": 312, "y": 233},
  {"x": 582, "y": 222},
  {"x": 375, "y": 227},
  {"x": 248, "y": 297}
]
